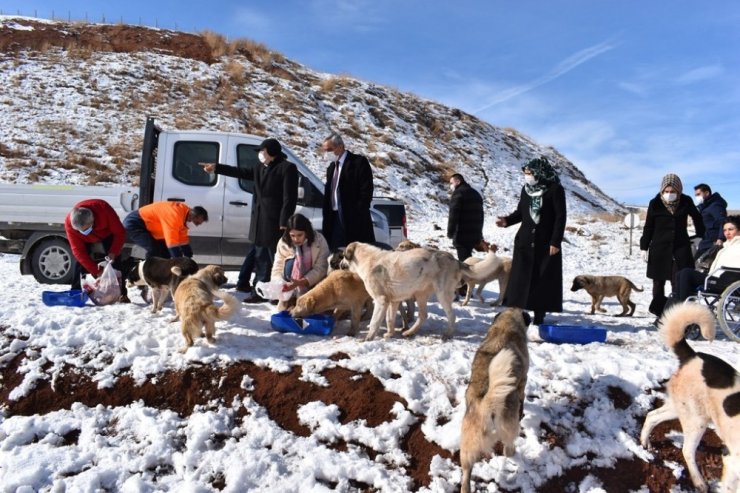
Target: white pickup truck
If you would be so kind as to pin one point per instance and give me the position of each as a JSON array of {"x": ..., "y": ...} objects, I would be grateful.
[{"x": 32, "y": 216}]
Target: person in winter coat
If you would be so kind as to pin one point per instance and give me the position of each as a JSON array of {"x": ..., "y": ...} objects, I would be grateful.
[
  {"x": 536, "y": 280},
  {"x": 347, "y": 196},
  {"x": 689, "y": 279},
  {"x": 465, "y": 222},
  {"x": 274, "y": 201},
  {"x": 161, "y": 228},
  {"x": 302, "y": 258},
  {"x": 666, "y": 239},
  {"x": 93, "y": 225},
  {"x": 713, "y": 209}
]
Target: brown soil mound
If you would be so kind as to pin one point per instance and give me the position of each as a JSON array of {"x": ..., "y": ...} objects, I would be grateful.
[
  {"x": 359, "y": 396},
  {"x": 117, "y": 38}
]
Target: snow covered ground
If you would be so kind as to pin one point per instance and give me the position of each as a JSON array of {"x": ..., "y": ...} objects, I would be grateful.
[{"x": 138, "y": 448}]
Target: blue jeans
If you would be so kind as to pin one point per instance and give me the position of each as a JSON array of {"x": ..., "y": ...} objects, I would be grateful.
[
  {"x": 245, "y": 273},
  {"x": 263, "y": 258}
]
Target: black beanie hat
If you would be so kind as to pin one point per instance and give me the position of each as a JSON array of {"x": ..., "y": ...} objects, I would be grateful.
[{"x": 272, "y": 146}]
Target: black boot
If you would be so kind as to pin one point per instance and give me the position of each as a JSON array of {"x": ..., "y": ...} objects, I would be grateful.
[{"x": 539, "y": 317}]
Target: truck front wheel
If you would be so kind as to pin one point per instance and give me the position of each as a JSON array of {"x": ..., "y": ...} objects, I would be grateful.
[{"x": 52, "y": 262}]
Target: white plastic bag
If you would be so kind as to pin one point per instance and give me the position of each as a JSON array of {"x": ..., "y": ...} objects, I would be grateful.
[
  {"x": 273, "y": 290},
  {"x": 106, "y": 289}
]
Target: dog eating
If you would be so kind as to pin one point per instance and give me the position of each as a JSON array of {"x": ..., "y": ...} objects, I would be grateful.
[
  {"x": 391, "y": 277},
  {"x": 194, "y": 303},
  {"x": 600, "y": 287},
  {"x": 495, "y": 395},
  {"x": 703, "y": 390},
  {"x": 341, "y": 290},
  {"x": 162, "y": 276}
]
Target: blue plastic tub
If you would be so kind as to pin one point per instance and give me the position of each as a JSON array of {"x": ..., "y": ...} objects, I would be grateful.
[
  {"x": 572, "y": 334},
  {"x": 320, "y": 325},
  {"x": 73, "y": 297}
]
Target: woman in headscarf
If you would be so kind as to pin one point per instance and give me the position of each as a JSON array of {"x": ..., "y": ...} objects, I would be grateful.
[
  {"x": 301, "y": 259},
  {"x": 536, "y": 280},
  {"x": 666, "y": 239}
]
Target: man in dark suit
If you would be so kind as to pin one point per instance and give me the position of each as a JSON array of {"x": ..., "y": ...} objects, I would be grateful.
[
  {"x": 465, "y": 222},
  {"x": 347, "y": 196}
]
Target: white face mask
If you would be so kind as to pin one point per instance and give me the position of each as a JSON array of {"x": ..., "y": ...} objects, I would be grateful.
[
  {"x": 330, "y": 156},
  {"x": 87, "y": 231},
  {"x": 261, "y": 157},
  {"x": 452, "y": 187},
  {"x": 670, "y": 196},
  {"x": 530, "y": 179},
  {"x": 699, "y": 199}
]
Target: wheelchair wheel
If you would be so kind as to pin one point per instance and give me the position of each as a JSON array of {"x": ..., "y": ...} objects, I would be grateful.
[{"x": 728, "y": 311}]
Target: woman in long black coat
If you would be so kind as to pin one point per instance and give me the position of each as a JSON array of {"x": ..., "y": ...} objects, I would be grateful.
[
  {"x": 536, "y": 280},
  {"x": 666, "y": 239}
]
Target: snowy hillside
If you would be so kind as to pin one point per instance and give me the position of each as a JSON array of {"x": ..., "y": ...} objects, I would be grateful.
[{"x": 76, "y": 97}]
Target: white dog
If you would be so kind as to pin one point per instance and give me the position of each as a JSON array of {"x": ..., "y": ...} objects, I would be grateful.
[{"x": 494, "y": 268}]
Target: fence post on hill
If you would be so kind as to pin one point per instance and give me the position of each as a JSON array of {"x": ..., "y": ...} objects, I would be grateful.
[{"x": 631, "y": 220}]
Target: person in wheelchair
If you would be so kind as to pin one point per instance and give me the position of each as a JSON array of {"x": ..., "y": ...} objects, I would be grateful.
[{"x": 688, "y": 279}]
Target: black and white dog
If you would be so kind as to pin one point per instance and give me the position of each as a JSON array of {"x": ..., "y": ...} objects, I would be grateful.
[{"x": 162, "y": 275}]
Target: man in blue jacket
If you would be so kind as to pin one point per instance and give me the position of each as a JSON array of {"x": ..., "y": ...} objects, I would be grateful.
[{"x": 713, "y": 209}]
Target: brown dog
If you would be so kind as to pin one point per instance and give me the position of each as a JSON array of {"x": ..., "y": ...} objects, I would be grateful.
[
  {"x": 404, "y": 245},
  {"x": 341, "y": 290},
  {"x": 495, "y": 395},
  {"x": 704, "y": 389},
  {"x": 601, "y": 286},
  {"x": 194, "y": 304}
]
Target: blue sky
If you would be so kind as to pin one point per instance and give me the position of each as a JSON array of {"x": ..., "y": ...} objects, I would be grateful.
[{"x": 627, "y": 90}]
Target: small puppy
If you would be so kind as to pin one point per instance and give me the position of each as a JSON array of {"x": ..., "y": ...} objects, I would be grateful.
[
  {"x": 601, "y": 286},
  {"x": 494, "y": 268},
  {"x": 194, "y": 304},
  {"x": 341, "y": 290},
  {"x": 162, "y": 275},
  {"x": 495, "y": 395},
  {"x": 704, "y": 389}
]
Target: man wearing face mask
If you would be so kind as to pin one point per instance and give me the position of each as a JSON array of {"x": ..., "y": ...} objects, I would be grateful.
[
  {"x": 274, "y": 201},
  {"x": 161, "y": 228},
  {"x": 536, "y": 279},
  {"x": 665, "y": 237},
  {"x": 465, "y": 220},
  {"x": 94, "y": 229},
  {"x": 713, "y": 210},
  {"x": 347, "y": 196}
]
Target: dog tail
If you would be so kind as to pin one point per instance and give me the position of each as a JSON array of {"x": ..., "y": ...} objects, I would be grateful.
[
  {"x": 230, "y": 306},
  {"x": 501, "y": 382},
  {"x": 639, "y": 290},
  {"x": 677, "y": 318}
]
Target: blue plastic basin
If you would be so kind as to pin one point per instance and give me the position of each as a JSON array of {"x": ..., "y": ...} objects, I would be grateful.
[
  {"x": 572, "y": 334},
  {"x": 73, "y": 297},
  {"x": 320, "y": 325}
]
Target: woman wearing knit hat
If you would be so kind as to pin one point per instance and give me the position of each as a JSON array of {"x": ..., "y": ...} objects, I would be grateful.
[
  {"x": 666, "y": 239},
  {"x": 536, "y": 279}
]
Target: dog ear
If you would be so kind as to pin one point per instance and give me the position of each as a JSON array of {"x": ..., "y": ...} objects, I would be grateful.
[
  {"x": 527, "y": 318},
  {"x": 175, "y": 269},
  {"x": 349, "y": 252}
]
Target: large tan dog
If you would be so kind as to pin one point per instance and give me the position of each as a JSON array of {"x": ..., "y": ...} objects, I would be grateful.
[
  {"x": 495, "y": 395},
  {"x": 341, "y": 290},
  {"x": 494, "y": 268},
  {"x": 600, "y": 287},
  {"x": 194, "y": 304},
  {"x": 703, "y": 390},
  {"x": 391, "y": 277}
]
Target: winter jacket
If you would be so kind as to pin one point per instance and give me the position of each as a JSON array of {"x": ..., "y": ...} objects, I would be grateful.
[
  {"x": 166, "y": 221},
  {"x": 355, "y": 195},
  {"x": 105, "y": 224},
  {"x": 666, "y": 239},
  {"x": 536, "y": 279},
  {"x": 465, "y": 222},
  {"x": 728, "y": 256},
  {"x": 319, "y": 259},
  {"x": 713, "y": 212}
]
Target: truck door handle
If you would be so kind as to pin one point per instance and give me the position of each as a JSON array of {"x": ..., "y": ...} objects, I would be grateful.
[
  {"x": 236, "y": 202},
  {"x": 175, "y": 199}
]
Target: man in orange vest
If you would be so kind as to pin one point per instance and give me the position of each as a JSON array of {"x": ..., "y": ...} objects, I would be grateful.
[{"x": 161, "y": 228}]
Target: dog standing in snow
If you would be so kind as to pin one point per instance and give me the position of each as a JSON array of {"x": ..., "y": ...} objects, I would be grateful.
[{"x": 704, "y": 389}]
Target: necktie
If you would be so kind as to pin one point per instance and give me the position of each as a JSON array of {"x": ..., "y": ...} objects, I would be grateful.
[{"x": 334, "y": 183}]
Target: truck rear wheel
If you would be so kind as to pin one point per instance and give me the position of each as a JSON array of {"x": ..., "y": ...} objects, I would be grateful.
[{"x": 52, "y": 262}]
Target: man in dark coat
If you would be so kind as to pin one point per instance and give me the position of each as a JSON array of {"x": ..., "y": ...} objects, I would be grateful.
[
  {"x": 275, "y": 198},
  {"x": 536, "y": 280},
  {"x": 347, "y": 196},
  {"x": 713, "y": 209},
  {"x": 666, "y": 239},
  {"x": 465, "y": 222}
]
